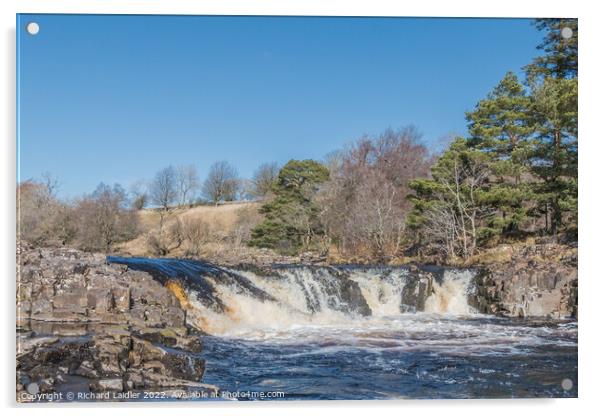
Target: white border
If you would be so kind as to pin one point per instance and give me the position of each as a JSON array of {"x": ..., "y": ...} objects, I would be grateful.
[{"x": 591, "y": 150}]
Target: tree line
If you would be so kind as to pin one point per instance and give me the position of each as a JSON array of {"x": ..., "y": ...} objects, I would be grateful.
[
  {"x": 514, "y": 176},
  {"x": 517, "y": 171},
  {"x": 380, "y": 197},
  {"x": 107, "y": 216}
]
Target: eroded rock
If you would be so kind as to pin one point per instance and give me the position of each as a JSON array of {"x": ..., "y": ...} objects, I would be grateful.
[
  {"x": 539, "y": 281},
  {"x": 84, "y": 325}
]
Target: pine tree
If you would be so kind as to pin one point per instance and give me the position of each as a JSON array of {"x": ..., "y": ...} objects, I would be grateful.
[
  {"x": 560, "y": 58},
  {"x": 500, "y": 126},
  {"x": 553, "y": 82},
  {"x": 554, "y": 155},
  {"x": 291, "y": 218}
]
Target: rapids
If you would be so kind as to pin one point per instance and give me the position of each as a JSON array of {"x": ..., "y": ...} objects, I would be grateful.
[{"x": 358, "y": 332}]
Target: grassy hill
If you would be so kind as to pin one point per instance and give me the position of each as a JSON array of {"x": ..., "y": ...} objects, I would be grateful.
[{"x": 223, "y": 226}]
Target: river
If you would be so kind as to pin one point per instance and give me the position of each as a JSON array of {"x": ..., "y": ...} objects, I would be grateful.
[{"x": 357, "y": 332}]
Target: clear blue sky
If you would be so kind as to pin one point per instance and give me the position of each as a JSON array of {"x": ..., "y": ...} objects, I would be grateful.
[{"x": 115, "y": 98}]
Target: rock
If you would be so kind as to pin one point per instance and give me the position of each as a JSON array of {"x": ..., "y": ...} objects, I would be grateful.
[
  {"x": 100, "y": 300},
  {"x": 121, "y": 298},
  {"x": 539, "y": 281},
  {"x": 108, "y": 384},
  {"x": 29, "y": 344},
  {"x": 98, "y": 327},
  {"x": 41, "y": 306},
  {"x": 416, "y": 291},
  {"x": 86, "y": 369}
]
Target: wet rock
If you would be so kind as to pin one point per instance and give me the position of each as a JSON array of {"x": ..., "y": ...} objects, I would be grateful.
[
  {"x": 342, "y": 293},
  {"x": 416, "y": 291}
]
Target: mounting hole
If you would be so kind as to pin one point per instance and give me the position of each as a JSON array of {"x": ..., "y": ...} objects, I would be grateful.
[
  {"x": 566, "y": 32},
  {"x": 567, "y": 384},
  {"x": 33, "y": 28}
]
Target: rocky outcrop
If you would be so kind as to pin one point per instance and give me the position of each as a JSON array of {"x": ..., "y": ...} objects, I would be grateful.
[
  {"x": 416, "y": 291},
  {"x": 540, "y": 280},
  {"x": 84, "y": 326}
]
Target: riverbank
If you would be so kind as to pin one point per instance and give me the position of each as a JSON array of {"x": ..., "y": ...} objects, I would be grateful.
[
  {"x": 86, "y": 327},
  {"x": 92, "y": 328},
  {"x": 529, "y": 280}
]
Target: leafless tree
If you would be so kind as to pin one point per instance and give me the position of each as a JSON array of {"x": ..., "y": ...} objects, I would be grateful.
[
  {"x": 247, "y": 218},
  {"x": 441, "y": 228},
  {"x": 139, "y": 194},
  {"x": 245, "y": 189},
  {"x": 187, "y": 182},
  {"x": 222, "y": 183},
  {"x": 41, "y": 217},
  {"x": 334, "y": 161},
  {"x": 463, "y": 181},
  {"x": 51, "y": 184},
  {"x": 104, "y": 219},
  {"x": 196, "y": 232},
  {"x": 364, "y": 204},
  {"x": 163, "y": 191},
  {"x": 264, "y": 179},
  {"x": 165, "y": 240}
]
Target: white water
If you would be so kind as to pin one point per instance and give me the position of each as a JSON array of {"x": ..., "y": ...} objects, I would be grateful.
[
  {"x": 307, "y": 331},
  {"x": 311, "y": 300},
  {"x": 383, "y": 293},
  {"x": 450, "y": 297}
]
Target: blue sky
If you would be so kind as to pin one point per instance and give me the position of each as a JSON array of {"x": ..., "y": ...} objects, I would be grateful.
[{"x": 116, "y": 98}]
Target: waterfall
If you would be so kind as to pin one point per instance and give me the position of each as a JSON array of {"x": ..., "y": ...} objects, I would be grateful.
[
  {"x": 382, "y": 289},
  {"x": 237, "y": 302},
  {"x": 451, "y": 295}
]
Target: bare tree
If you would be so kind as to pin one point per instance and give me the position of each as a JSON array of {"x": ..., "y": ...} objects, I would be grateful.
[
  {"x": 51, "y": 184},
  {"x": 264, "y": 179},
  {"x": 163, "y": 191},
  {"x": 364, "y": 204},
  {"x": 222, "y": 183},
  {"x": 104, "y": 219},
  {"x": 187, "y": 182},
  {"x": 334, "y": 161},
  {"x": 245, "y": 189},
  {"x": 462, "y": 181},
  {"x": 162, "y": 242},
  {"x": 139, "y": 194},
  {"x": 42, "y": 218}
]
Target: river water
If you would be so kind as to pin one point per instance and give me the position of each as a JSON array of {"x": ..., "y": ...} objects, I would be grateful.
[{"x": 300, "y": 332}]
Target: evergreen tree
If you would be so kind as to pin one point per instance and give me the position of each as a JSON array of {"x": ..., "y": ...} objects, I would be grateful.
[
  {"x": 500, "y": 126},
  {"x": 520, "y": 160},
  {"x": 560, "y": 58},
  {"x": 553, "y": 82},
  {"x": 454, "y": 209},
  {"x": 554, "y": 155},
  {"x": 291, "y": 220}
]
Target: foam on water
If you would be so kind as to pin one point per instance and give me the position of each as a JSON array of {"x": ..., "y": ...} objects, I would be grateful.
[
  {"x": 450, "y": 296},
  {"x": 323, "y": 332},
  {"x": 382, "y": 292}
]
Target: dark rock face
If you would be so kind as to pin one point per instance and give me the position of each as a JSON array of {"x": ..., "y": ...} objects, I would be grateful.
[
  {"x": 540, "y": 281},
  {"x": 84, "y": 325},
  {"x": 342, "y": 293},
  {"x": 196, "y": 275},
  {"x": 416, "y": 291}
]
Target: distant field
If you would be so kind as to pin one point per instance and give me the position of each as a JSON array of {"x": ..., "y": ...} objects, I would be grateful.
[{"x": 222, "y": 217}]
